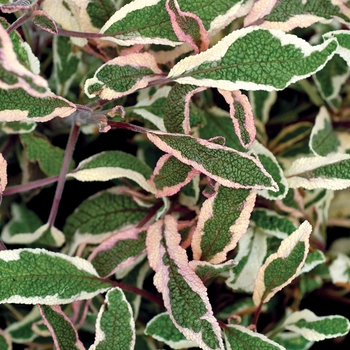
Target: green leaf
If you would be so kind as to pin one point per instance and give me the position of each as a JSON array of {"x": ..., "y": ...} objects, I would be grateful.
[
  {"x": 5, "y": 340},
  {"x": 225, "y": 165},
  {"x": 223, "y": 220},
  {"x": 100, "y": 216},
  {"x": 262, "y": 102},
  {"x": 292, "y": 341},
  {"x": 282, "y": 267},
  {"x": 39, "y": 149},
  {"x": 66, "y": 64},
  {"x": 122, "y": 76},
  {"x": 254, "y": 59},
  {"x": 316, "y": 328},
  {"x": 24, "y": 95},
  {"x": 25, "y": 274},
  {"x": 17, "y": 127},
  {"x": 63, "y": 333},
  {"x": 184, "y": 294},
  {"x": 241, "y": 338},
  {"x": 99, "y": 11},
  {"x": 206, "y": 270},
  {"x": 44, "y": 21},
  {"x": 322, "y": 139},
  {"x": 115, "y": 326},
  {"x": 162, "y": 329},
  {"x": 170, "y": 175},
  {"x": 272, "y": 166},
  {"x": 110, "y": 165},
  {"x": 287, "y": 15},
  {"x": 118, "y": 251},
  {"x": 148, "y": 23},
  {"x": 22, "y": 331}
]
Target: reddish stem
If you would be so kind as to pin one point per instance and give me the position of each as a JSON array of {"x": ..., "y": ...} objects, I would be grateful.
[{"x": 29, "y": 186}]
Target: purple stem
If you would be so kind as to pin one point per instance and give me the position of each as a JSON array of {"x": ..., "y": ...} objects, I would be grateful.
[
  {"x": 29, "y": 186},
  {"x": 18, "y": 22},
  {"x": 73, "y": 136},
  {"x": 126, "y": 126}
]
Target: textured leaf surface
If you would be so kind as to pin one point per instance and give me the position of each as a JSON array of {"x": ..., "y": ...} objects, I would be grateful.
[
  {"x": 241, "y": 338},
  {"x": 63, "y": 333},
  {"x": 225, "y": 165},
  {"x": 330, "y": 172},
  {"x": 316, "y": 328},
  {"x": 39, "y": 149},
  {"x": 25, "y": 274},
  {"x": 272, "y": 166},
  {"x": 24, "y": 95},
  {"x": 242, "y": 117},
  {"x": 206, "y": 270},
  {"x": 110, "y": 165},
  {"x": 145, "y": 23},
  {"x": 282, "y": 267},
  {"x": 118, "y": 251},
  {"x": 44, "y": 21},
  {"x": 162, "y": 328},
  {"x": 322, "y": 139},
  {"x": 287, "y": 15},
  {"x": 115, "y": 326},
  {"x": 170, "y": 175},
  {"x": 122, "y": 76},
  {"x": 184, "y": 294},
  {"x": 223, "y": 220},
  {"x": 254, "y": 59},
  {"x": 101, "y": 215}
]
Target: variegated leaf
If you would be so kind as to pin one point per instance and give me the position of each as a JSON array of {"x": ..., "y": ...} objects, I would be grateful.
[
  {"x": 44, "y": 21},
  {"x": 110, "y": 165},
  {"x": 115, "y": 326},
  {"x": 315, "y": 328},
  {"x": 62, "y": 330},
  {"x": 122, "y": 76},
  {"x": 118, "y": 251},
  {"x": 282, "y": 267},
  {"x": 170, "y": 175},
  {"x": 254, "y": 59},
  {"x": 223, "y": 220},
  {"x": 206, "y": 270},
  {"x": 287, "y": 15},
  {"x": 25, "y": 274},
  {"x": 261, "y": 102},
  {"x": 23, "y": 94},
  {"x": 184, "y": 294},
  {"x": 223, "y": 164}
]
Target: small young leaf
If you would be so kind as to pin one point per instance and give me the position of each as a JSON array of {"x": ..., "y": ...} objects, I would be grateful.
[
  {"x": 122, "y": 76},
  {"x": 24, "y": 95},
  {"x": 287, "y": 15},
  {"x": 225, "y": 165},
  {"x": 184, "y": 294},
  {"x": 242, "y": 116},
  {"x": 115, "y": 326},
  {"x": 25, "y": 274},
  {"x": 44, "y": 21},
  {"x": 162, "y": 328},
  {"x": 223, "y": 220},
  {"x": 316, "y": 328},
  {"x": 239, "y": 337},
  {"x": 110, "y": 165},
  {"x": 16, "y": 6},
  {"x": 330, "y": 172},
  {"x": 188, "y": 27},
  {"x": 63, "y": 333},
  {"x": 322, "y": 139},
  {"x": 282, "y": 267},
  {"x": 254, "y": 59},
  {"x": 118, "y": 251},
  {"x": 101, "y": 215},
  {"x": 170, "y": 175}
]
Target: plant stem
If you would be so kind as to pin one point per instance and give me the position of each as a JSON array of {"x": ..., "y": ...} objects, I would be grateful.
[
  {"x": 73, "y": 136},
  {"x": 257, "y": 314},
  {"x": 18, "y": 22},
  {"x": 126, "y": 126},
  {"x": 29, "y": 186}
]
